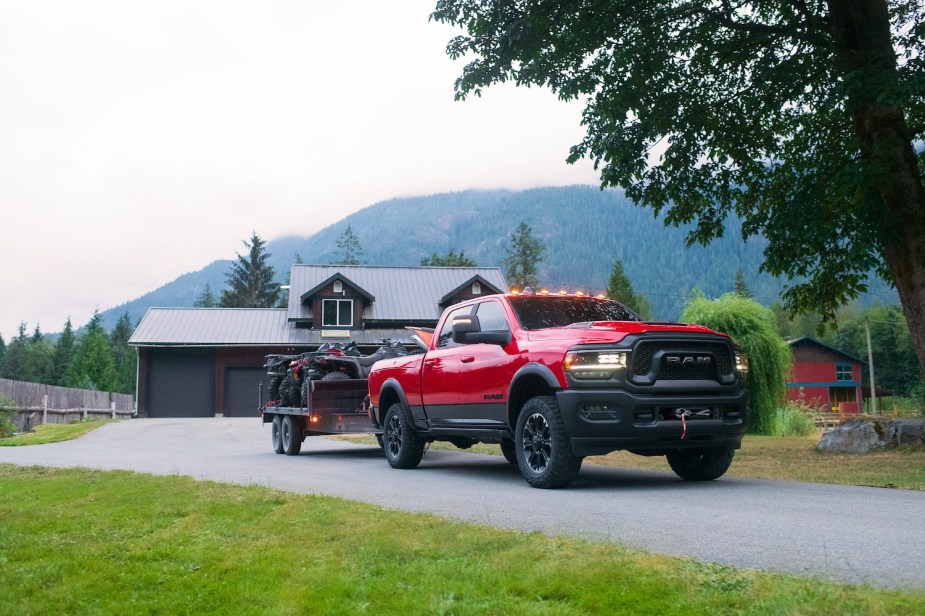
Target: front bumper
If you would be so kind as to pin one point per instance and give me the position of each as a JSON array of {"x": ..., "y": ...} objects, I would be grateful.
[{"x": 599, "y": 421}]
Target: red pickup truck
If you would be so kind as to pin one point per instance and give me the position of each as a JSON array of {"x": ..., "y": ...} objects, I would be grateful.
[{"x": 555, "y": 378}]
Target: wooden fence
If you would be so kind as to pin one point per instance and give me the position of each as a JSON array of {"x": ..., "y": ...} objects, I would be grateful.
[{"x": 37, "y": 404}]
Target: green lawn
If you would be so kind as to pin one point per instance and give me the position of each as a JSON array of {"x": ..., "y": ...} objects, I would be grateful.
[
  {"x": 53, "y": 433},
  {"x": 76, "y": 541}
]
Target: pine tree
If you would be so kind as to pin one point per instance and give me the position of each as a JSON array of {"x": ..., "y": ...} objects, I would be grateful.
[
  {"x": 92, "y": 366},
  {"x": 349, "y": 248},
  {"x": 64, "y": 353},
  {"x": 523, "y": 256},
  {"x": 15, "y": 362},
  {"x": 206, "y": 299},
  {"x": 2, "y": 353},
  {"x": 123, "y": 356},
  {"x": 741, "y": 288},
  {"x": 251, "y": 281},
  {"x": 620, "y": 289},
  {"x": 450, "y": 259}
]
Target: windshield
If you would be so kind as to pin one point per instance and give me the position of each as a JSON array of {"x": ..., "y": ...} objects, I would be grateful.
[{"x": 552, "y": 311}]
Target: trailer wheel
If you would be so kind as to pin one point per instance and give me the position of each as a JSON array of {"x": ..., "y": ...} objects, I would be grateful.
[
  {"x": 292, "y": 435},
  {"x": 704, "y": 464},
  {"x": 544, "y": 453},
  {"x": 276, "y": 434},
  {"x": 403, "y": 447}
]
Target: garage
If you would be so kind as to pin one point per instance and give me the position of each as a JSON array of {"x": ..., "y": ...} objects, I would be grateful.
[
  {"x": 181, "y": 383},
  {"x": 241, "y": 391}
]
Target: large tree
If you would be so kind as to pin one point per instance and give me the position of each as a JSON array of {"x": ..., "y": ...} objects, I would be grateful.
[
  {"x": 92, "y": 366},
  {"x": 523, "y": 256},
  {"x": 251, "y": 283},
  {"x": 798, "y": 117},
  {"x": 64, "y": 353}
]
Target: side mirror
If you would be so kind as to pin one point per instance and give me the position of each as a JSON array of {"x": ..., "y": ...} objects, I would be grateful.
[{"x": 468, "y": 330}]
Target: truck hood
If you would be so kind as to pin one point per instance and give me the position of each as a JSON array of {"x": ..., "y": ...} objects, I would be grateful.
[{"x": 614, "y": 331}]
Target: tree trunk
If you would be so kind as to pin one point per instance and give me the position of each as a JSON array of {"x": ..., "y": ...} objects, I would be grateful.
[{"x": 867, "y": 62}]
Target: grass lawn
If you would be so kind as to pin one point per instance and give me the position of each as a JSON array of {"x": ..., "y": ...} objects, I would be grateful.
[
  {"x": 77, "y": 541},
  {"x": 53, "y": 433}
]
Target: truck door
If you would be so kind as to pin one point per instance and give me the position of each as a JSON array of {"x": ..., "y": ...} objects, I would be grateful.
[
  {"x": 485, "y": 370},
  {"x": 438, "y": 374}
]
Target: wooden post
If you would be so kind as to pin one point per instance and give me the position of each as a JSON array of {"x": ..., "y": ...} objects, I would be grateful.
[
  {"x": 45, "y": 409},
  {"x": 112, "y": 407}
]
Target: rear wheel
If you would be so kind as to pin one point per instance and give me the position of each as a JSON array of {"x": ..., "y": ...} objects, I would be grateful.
[
  {"x": 291, "y": 435},
  {"x": 403, "y": 447},
  {"x": 544, "y": 453},
  {"x": 705, "y": 464},
  {"x": 276, "y": 430}
]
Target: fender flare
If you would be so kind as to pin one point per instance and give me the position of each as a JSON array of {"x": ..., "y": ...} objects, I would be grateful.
[
  {"x": 529, "y": 370},
  {"x": 536, "y": 369},
  {"x": 393, "y": 384}
]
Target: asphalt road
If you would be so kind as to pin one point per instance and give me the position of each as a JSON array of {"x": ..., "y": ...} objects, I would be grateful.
[{"x": 848, "y": 534}]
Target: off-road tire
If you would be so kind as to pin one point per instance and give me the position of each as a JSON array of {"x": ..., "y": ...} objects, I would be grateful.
[
  {"x": 287, "y": 393},
  {"x": 276, "y": 433},
  {"x": 273, "y": 389},
  {"x": 702, "y": 464},
  {"x": 544, "y": 453},
  {"x": 335, "y": 376},
  {"x": 402, "y": 445},
  {"x": 291, "y": 435},
  {"x": 509, "y": 450}
]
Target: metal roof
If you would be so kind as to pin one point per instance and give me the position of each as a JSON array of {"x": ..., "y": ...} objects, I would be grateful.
[
  {"x": 212, "y": 326},
  {"x": 242, "y": 327},
  {"x": 401, "y": 293}
]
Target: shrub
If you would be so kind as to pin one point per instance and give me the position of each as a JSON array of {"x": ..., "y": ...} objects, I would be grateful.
[
  {"x": 794, "y": 419},
  {"x": 7, "y": 412}
]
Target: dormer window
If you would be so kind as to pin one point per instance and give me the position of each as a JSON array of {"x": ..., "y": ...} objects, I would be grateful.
[
  {"x": 337, "y": 312},
  {"x": 476, "y": 288},
  {"x": 338, "y": 286}
]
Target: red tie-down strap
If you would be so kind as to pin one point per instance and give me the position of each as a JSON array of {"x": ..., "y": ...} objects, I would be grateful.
[{"x": 683, "y": 414}]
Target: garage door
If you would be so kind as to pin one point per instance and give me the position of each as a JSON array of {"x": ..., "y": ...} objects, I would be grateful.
[
  {"x": 181, "y": 383},
  {"x": 241, "y": 391}
]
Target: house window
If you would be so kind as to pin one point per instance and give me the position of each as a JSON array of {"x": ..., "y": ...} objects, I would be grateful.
[
  {"x": 338, "y": 286},
  {"x": 336, "y": 313},
  {"x": 476, "y": 288},
  {"x": 844, "y": 372}
]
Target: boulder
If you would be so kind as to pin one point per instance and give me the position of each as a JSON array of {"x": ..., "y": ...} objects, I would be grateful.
[
  {"x": 906, "y": 433},
  {"x": 869, "y": 434},
  {"x": 856, "y": 436}
]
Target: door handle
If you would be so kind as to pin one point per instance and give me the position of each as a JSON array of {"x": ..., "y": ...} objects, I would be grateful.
[{"x": 467, "y": 360}]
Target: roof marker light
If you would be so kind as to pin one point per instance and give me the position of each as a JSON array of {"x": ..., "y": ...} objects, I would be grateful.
[{"x": 601, "y": 296}]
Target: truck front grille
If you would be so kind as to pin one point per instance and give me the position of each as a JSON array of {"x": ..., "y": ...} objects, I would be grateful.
[{"x": 719, "y": 354}]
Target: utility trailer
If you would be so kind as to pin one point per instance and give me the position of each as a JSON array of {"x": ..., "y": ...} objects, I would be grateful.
[{"x": 331, "y": 407}]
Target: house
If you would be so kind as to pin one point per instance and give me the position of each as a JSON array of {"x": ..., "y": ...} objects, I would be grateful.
[
  {"x": 825, "y": 377},
  {"x": 203, "y": 362}
]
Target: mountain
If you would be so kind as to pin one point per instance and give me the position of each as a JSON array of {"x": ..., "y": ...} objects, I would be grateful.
[{"x": 584, "y": 230}]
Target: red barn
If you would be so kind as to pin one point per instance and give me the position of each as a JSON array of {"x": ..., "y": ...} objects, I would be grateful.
[{"x": 825, "y": 377}]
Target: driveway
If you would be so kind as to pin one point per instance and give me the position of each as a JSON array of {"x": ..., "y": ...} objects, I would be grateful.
[{"x": 848, "y": 534}]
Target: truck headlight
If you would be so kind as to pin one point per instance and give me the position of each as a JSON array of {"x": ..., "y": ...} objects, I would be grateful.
[
  {"x": 595, "y": 364},
  {"x": 741, "y": 364}
]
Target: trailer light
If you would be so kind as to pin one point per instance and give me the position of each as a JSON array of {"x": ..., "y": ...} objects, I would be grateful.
[{"x": 313, "y": 419}]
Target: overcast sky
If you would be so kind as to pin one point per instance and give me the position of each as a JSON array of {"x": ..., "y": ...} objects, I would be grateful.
[{"x": 143, "y": 139}]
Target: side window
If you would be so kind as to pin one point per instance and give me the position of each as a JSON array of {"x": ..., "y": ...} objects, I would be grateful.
[
  {"x": 446, "y": 333},
  {"x": 491, "y": 316}
]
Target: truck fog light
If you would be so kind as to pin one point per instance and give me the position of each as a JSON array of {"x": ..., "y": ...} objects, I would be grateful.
[{"x": 598, "y": 412}]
